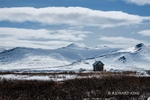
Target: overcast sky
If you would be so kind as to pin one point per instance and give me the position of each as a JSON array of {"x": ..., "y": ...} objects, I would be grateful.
[{"x": 57, "y": 23}]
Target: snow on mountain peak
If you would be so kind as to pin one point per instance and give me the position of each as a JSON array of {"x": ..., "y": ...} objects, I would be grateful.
[
  {"x": 76, "y": 46},
  {"x": 16, "y": 50},
  {"x": 141, "y": 47},
  {"x": 9, "y": 50},
  {"x": 135, "y": 57},
  {"x": 100, "y": 47},
  {"x": 137, "y": 48}
]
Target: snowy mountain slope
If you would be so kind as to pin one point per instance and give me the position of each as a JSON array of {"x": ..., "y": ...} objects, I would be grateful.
[
  {"x": 4, "y": 48},
  {"x": 1, "y": 50},
  {"x": 29, "y": 58},
  {"x": 75, "y": 57},
  {"x": 137, "y": 57},
  {"x": 133, "y": 58},
  {"x": 76, "y": 46}
]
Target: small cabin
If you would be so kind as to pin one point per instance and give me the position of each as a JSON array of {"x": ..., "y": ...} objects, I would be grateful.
[{"x": 98, "y": 66}]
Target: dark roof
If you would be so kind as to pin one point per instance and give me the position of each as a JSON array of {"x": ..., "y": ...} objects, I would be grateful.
[{"x": 96, "y": 62}]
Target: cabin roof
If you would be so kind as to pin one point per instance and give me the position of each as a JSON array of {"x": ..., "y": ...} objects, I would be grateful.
[{"x": 96, "y": 62}]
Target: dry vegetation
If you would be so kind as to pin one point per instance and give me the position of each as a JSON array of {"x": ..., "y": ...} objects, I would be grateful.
[
  {"x": 117, "y": 86},
  {"x": 103, "y": 73}
]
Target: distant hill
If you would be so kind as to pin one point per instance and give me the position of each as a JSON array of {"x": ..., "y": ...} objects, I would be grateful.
[{"x": 21, "y": 58}]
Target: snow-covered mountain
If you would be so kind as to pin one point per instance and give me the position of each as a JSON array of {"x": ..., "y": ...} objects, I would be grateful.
[
  {"x": 74, "y": 57},
  {"x": 76, "y": 46},
  {"x": 132, "y": 58},
  {"x": 21, "y": 58}
]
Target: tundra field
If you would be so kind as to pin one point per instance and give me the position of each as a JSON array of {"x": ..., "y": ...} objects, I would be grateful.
[{"x": 125, "y": 85}]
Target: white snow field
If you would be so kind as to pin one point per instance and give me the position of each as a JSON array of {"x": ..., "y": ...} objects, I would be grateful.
[{"x": 74, "y": 57}]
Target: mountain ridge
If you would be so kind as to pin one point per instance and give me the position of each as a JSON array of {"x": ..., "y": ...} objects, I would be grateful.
[
  {"x": 135, "y": 57},
  {"x": 126, "y": 59}
]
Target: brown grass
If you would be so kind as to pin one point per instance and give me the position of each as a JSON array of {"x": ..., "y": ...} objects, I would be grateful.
[
  {"x": 108, "y": 86},
  {"x": 103, "y": 73}
]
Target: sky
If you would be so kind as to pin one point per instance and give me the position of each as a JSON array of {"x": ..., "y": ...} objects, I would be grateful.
[{"x": 53, "y": 24}]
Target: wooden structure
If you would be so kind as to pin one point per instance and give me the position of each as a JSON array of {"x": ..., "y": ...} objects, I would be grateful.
[{"x": 98, "y": 66}]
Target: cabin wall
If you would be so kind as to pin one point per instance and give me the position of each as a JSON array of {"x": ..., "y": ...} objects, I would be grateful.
[{"x": 98, "y": 68}]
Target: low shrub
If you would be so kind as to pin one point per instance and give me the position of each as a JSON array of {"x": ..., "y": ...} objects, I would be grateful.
[{"x": 120, "y": 87}]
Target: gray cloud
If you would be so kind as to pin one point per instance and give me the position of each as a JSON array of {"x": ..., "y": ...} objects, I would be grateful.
[
  {"x": 139, "y": 2},
  {"x": 40, "y": 37},
  {"x": 69, "y": 15},
  {"x": 145, "y": 32},
  {"x": 120, "y": 40},
  {"x": 70, "y": 35}
]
